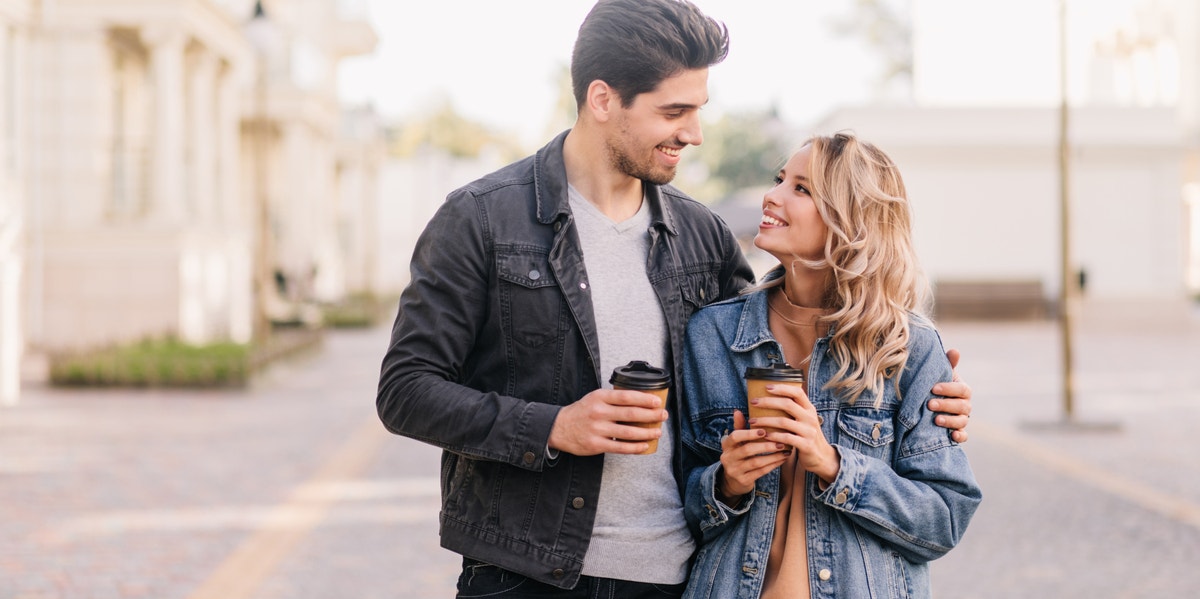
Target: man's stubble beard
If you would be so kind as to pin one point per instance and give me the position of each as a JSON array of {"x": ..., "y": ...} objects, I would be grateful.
[{"x": 626, "y": 164}]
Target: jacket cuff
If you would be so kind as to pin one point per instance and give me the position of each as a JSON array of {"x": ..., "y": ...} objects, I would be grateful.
[
  {"x": 531, "y": 447},
  {"x": 718, "y": 512},
  {"x": 845, "y": 490}
]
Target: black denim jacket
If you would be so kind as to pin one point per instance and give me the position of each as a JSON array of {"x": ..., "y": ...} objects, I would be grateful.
[{"x": 496, "y": 333}]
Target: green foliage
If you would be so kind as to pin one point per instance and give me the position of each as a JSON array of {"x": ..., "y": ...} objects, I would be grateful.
[
  {"x": 358, "y": 310},
  {"x": 447, "y": 130},
  {"x": 154, "y": 363},
  {"x": 740, "y": 150}
]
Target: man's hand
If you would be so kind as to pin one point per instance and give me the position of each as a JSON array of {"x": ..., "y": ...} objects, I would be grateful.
[
  {"x": 593, "y": 425},
  {"x": 954, "y": 404}
]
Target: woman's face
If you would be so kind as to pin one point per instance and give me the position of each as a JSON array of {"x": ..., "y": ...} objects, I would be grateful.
[{"x": 791, "y": 226}]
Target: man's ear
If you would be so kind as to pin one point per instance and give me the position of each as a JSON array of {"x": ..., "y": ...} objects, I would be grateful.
[{"x": 600, "y": 100}]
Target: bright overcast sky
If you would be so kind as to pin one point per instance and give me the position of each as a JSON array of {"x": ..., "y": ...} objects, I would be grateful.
[{"x": 497, "y": 60}]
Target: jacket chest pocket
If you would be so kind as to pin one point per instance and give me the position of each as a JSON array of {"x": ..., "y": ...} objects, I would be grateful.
[
  {"x": 530, "y": 301},
  {"x": 870, "y": 432}
]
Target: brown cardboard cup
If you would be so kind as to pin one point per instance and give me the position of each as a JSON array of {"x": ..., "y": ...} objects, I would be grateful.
[
  {"x": 641, "y": 376},
  {"x": 757, "y": 380}
]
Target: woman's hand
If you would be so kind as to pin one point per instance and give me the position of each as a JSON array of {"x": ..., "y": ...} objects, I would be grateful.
[
  {"x": 746, "y": 455},
  {"x": 802, "y": 431}
]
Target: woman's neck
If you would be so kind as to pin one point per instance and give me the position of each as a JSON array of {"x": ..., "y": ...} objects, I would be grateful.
[{"x": 807, "y": 287}]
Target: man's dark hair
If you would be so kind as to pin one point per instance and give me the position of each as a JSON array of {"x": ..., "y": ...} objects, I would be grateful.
[{"x": 633, "y": 45}]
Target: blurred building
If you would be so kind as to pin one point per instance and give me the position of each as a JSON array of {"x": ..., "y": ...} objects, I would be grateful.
[
  {"x": 15, "y": 16},
  {"x": 360, "y": 163},
  {"x": 978, "y": 142},
  {"x": 157, "y": 128},
  {"x": 310, "y": 166},
  {"x": 137, "y": 224}
]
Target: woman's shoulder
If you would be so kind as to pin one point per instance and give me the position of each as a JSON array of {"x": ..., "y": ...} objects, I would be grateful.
[{"x": 922, "y": 333}]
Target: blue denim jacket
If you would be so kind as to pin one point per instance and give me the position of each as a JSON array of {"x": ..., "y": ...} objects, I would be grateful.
[{"x": 903, "y": 497}]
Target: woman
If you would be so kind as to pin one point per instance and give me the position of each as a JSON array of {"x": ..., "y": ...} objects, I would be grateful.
[{"x": 855, "y": 492}]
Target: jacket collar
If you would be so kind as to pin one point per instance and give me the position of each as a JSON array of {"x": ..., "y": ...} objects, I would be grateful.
[
  {"x": 550, "y": 189},
  {"x": 753, "y": 328}
]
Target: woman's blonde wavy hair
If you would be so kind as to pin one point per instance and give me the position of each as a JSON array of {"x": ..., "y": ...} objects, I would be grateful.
[{"x": 875, "y": 280}]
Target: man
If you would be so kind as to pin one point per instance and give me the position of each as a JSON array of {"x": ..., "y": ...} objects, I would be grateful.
[{"x": 530, "y": 285}]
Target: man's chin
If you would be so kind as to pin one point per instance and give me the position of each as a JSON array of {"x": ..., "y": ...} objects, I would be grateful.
[{"x": 660, "y": 177}]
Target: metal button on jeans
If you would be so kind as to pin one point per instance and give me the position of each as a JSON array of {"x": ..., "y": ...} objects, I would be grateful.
[
  {"x": 825, "y": 574},
  {"x": 577, "y": 503}
]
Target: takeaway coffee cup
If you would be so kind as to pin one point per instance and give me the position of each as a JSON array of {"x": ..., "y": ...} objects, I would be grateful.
[
  {"x": 757, "y": 380},
  {"x": 641, "y": 376}
]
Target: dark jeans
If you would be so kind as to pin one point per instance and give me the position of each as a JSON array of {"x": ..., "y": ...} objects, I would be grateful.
[{"x": 485, "y": 580}]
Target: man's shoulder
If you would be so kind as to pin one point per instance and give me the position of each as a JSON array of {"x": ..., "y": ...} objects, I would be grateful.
[
  {"x": 688, "y": 211},
  {"x": 680, "y": 200},
  {"x": 513, "y": 174}
]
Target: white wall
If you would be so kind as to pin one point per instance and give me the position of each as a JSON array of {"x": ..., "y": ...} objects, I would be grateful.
[{"x": 985, "y": 191}]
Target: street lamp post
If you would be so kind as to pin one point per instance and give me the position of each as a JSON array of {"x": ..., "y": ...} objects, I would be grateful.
[
  {"x": 261, "y": 35},
  {"x": 1068, "y": 280}
]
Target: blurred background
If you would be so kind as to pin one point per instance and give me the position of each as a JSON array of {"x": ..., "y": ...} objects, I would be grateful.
[
  {"x": 202, "y": 170},
  {"x": 194, "y": 190}
]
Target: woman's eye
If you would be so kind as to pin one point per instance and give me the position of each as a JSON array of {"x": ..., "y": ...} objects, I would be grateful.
[
  {"x": 801, "y": 189},
  {"x": 777, "y": 180}
]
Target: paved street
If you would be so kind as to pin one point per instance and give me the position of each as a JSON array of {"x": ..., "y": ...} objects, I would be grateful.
[{"x": 292, "y": 490}]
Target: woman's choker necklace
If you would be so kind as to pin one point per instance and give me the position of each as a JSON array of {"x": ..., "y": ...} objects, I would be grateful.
[{"x": 780, "y": 296}]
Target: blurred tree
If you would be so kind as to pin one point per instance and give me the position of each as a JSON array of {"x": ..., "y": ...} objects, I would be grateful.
[
  {"x": 447, "y": 130},
  {"x": 565, "y": 108},
  {"x": 883, "y": 25},
  {"x": 740, "y": 150}
]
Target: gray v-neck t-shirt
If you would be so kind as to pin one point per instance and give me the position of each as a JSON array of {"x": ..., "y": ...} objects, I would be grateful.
[{"x": 640, "y": 533}]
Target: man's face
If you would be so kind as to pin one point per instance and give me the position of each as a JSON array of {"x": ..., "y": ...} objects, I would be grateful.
[{"x": 646, "y": 139}]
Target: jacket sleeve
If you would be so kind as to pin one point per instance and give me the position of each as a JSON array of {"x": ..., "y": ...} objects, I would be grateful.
[
  {"x": 707, "y": 517},
  {"x": 440, "y": 316},
  {"x": 922, "y": 502}
]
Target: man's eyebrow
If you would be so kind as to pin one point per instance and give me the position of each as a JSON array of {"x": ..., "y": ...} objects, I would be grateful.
[{"x": 681, "y": 106}]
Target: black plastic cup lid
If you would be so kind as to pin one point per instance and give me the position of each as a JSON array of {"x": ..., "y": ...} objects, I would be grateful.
[
  {"x": 777, "y": 371},
  {"x": 640, "y": 375}
]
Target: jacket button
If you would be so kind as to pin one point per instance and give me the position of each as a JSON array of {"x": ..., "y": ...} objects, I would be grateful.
[
  {"x": 820, "y": 419},
  {"x": 842, "y": 496},
  {"x": 577, "y": 503},
  {"x": 701, "y": 293},
  {"x": 528, "y": 457},
  {"x": 825, "y": 574},
  {"x": 558, "y": 573},
  {"x": 557, "y": 226},
  {"x": 534, "y": 274}
]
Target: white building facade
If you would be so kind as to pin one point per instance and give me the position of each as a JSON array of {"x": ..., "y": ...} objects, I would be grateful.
[
  {"x": 984, "y": 183},
  {"x": 15, "y": 16},
  {"x": 307, "y": 156},
  {"x": 979, "y": 145},
  {"x": 137, "y": 227},
  {"x": 143, "y": 187}
]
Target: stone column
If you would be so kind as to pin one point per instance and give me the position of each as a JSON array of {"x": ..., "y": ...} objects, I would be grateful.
[
  {"x": 205, "y": 134},
  {"x": 11, "y": 200},
  {"x": 230, "y": 211},
  {"x": 167, "y": 157},
  {"x": 10, "y": 315}
]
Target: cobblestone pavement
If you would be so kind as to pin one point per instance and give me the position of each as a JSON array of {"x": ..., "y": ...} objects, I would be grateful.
[{"x": 292, "y": 490}]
